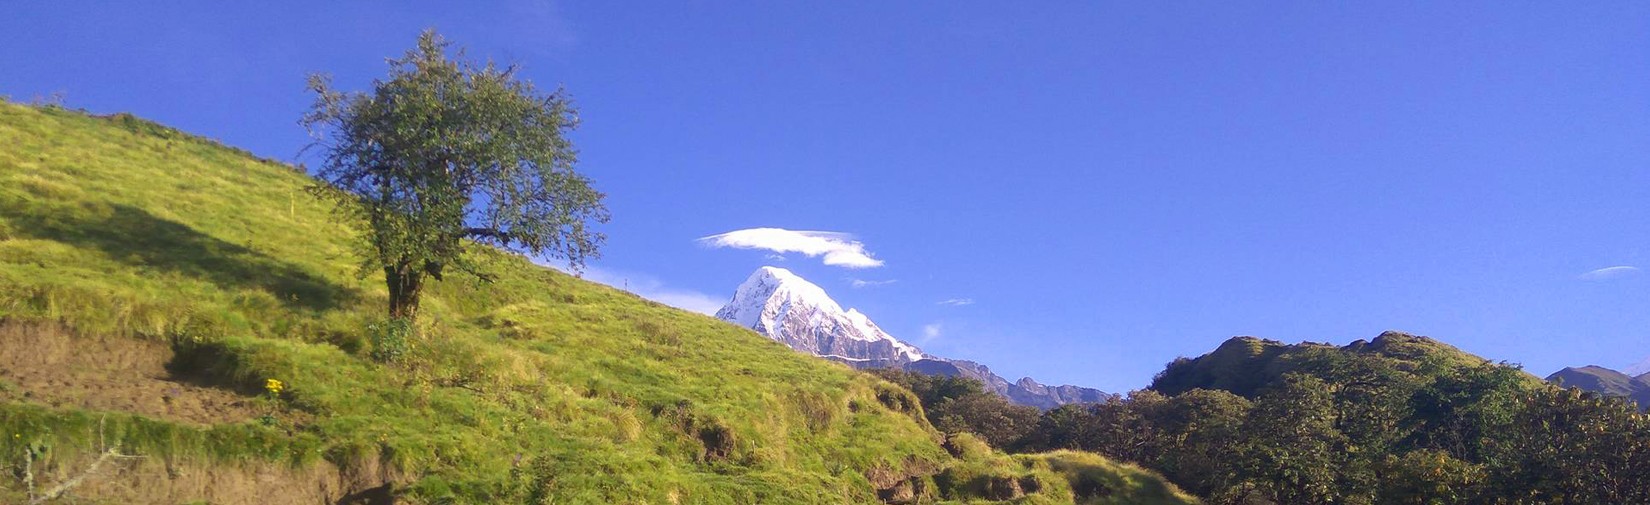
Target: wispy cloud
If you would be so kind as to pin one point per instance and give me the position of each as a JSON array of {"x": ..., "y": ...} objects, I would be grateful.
[
  {"x": 650, "y": 287},
  {"x": 838, "y": 249},
  {"x": 1607, "y": 273},
  {"x": 931, "y": 332},
  {"x": 956, "y": 302},
  {"x": 862, "y": 283}
]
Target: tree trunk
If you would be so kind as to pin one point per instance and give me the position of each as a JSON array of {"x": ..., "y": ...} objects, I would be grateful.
[{"x": 406, "y": 284}]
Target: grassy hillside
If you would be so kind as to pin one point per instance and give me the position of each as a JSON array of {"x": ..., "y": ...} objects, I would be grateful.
[{"x": 153, "y": 283}]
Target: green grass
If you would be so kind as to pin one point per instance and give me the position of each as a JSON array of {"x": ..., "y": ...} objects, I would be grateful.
[
  {"x": 1057, "y": 477},
  {"x": 538, "y": 385}
]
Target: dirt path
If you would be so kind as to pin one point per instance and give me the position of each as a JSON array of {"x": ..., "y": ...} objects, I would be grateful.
[{"x": 47, "y": 365}]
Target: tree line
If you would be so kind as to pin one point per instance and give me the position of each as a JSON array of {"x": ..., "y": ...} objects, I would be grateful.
[{"x": 1324, "y": 425}]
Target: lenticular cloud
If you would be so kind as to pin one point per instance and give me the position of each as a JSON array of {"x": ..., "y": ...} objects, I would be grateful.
[
  {"x": 838, "y": 249},
  {"x": 1604, "y": 274}
]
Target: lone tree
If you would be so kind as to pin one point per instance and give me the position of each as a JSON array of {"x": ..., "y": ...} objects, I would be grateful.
[{"x": 447, "y": 150}]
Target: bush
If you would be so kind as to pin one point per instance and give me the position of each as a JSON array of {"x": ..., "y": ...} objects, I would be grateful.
[
  {"x": 391, "y": 339},
  {"x": 959, "y": 404}
]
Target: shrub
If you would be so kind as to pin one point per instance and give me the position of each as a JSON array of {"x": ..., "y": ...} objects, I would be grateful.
[{"x": 390, "y": 339}]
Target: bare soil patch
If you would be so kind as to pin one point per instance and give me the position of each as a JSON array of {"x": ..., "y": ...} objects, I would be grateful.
[
  {"x": 158, "y": 480},
  {"x": 49, "y": 365}
]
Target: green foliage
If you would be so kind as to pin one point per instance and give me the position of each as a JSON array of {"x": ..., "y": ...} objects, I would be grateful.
[
  {"x": 1607, "y": 382},
  {"x": 1095, "y": 480},
  {"x": 982, "y": 476},
  {"x": 1191, "y": 435},
  {"x": 1114, "y": 425},
  {"x": 1428, "y": 476},
  {"x": 1401, "y": 419},
  {"x": 960, "y": 404},
  {"x": 1238, "y": 365},
  {"x": 1568, "y": 444},
  {"x": 932, "y": 389},
  {"x": 444, "y": 151},
  {"x": 391, "y": 339},
  {"x": 1246, "y": 365},
  {"x": 1000, "y": 423},
  {"x": 1293, "y": 449}
]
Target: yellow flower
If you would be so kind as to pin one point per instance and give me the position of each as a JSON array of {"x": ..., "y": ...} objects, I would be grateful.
[{"x": 274, "y": 386}]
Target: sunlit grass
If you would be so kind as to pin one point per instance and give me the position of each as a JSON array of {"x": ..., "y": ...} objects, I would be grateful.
[{"x": 537, "y": 383}]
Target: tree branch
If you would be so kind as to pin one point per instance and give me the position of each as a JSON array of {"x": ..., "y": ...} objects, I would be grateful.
[
  {"x": 28, "y": 471},
  {"x": 65, "y": 486},
  {"x": 492, "y": 233}
]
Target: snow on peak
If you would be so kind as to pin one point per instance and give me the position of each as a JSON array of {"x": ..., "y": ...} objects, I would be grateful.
[
  {"x": 1640, "y": 368},
  {"x": 870, "y": 331},
  {"x": 785, "y": 307},
  {"x": 769, "y": 286}
]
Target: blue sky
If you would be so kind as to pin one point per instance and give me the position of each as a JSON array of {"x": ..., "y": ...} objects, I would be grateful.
[{"x": 1109, "y": 185}]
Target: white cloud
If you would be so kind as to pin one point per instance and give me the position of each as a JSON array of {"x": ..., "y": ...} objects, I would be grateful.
[
  {"x": 775, "y": 257},
  {"x": 956, "y": 302},
  {"x": 839, "y": 249},
  {"x": 650, "y": 287},
  {"x": 931, "y": 332},
  {"x": 1607, "y": 273},
  {"x": 862, "y": 283}
]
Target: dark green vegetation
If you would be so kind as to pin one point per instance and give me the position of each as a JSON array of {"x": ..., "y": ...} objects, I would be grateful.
[
  {"x": 1606, "y": 382},
  {"x": 962, "y": 405},
  {"x": 185, "y": 268},
  {"x": 1401, "y": 419},
  {"x": 445, "y": 152}
]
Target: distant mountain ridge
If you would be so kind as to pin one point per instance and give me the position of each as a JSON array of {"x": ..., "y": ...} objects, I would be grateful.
[
  {"x": 1638, "y": 369},
  {"x": 1245, "y": 366},
  {"x": 785, "y": 307},
  {"x": 1606, "y": 382}
]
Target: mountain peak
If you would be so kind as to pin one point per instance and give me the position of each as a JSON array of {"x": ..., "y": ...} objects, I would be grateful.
[
  {"x": 773, "y": 272},
  {"x": 785, "y": 307},
  {"x": 1605, "y": 381},
  {"x": 767, "y": 279},
  {"x": 1639, "y": 369}
]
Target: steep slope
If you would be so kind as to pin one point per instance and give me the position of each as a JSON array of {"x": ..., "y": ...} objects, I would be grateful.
[
  {"x": 787, "y": 308},
  {"x": 1606, "y": 382},
  {"x": 167, "y": 297}
]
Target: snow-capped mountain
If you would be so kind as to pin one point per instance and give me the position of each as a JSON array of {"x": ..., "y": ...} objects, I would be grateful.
[
  {"x": 787, "y": 308},
  {"x": 1638, "y": 369}
]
